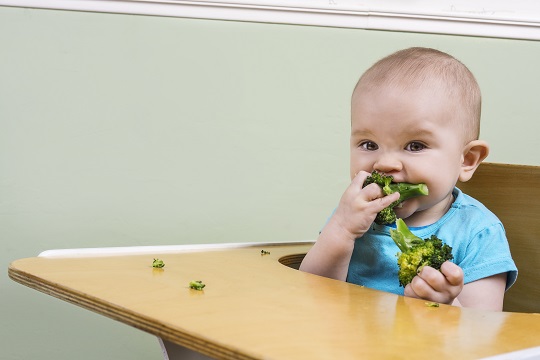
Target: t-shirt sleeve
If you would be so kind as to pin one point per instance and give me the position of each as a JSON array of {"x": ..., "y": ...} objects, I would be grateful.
[{"x": 488, "y": 254}]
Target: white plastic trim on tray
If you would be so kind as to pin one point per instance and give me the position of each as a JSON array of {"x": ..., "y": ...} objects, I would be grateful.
[{"x": 158, "y": 249}]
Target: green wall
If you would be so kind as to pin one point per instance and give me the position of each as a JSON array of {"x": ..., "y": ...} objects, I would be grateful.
[{"x": 123, "y": 130}]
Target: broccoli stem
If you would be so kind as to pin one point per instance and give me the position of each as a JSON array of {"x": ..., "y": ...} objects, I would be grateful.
[
  {"x": 402, "y": 236},
  {"x": 407, "y": 190}
]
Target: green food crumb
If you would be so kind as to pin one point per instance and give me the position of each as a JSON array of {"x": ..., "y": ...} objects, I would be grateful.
[
  {"x": 157, "y": 263},
  {"x": 432, "y": 304},
  {"x": 196, "y": 285}
]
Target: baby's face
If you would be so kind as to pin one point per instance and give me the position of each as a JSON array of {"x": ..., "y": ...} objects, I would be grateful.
[{"x": 413, "y": 136}]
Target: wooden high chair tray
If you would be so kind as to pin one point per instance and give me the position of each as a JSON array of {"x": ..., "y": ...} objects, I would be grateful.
[{"x": 256, "y": 306}]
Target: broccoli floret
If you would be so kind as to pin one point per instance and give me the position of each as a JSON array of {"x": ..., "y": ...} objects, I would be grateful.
[
  {"x": 157, "y": 263},
  {"x": 406, "y": 191},
  {"x": 385, "y": 216},
  {"x": 417, "y": 253},
  {"x": 196, "y": 285}
]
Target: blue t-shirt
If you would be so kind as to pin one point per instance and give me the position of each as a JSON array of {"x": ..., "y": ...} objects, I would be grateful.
[{"x": 476, "y": 235}]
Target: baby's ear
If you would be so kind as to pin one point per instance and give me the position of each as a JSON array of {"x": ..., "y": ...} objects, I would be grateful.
[{"x": 473, "y": 154}]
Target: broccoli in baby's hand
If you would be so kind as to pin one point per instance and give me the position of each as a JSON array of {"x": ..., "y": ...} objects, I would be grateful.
[
  {"x": 416, "y": 253},
  {"x": 406, "y": 191}
]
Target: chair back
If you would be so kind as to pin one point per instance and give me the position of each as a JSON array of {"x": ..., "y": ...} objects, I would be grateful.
[{"x": 512, "y": 192}]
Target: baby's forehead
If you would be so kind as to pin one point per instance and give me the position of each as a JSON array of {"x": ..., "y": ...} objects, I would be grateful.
[
  {"x": 430, "y": 101},
  {"x": 432, "y": 90}
]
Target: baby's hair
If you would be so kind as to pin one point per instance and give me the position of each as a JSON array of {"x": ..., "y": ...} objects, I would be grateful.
[{"x": 416, "y": 67}]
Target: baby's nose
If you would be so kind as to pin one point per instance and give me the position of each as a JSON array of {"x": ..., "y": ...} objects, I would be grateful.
[{"x": 388, "y": 163}]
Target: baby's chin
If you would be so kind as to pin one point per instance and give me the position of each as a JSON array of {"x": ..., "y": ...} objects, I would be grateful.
[
  {"x": 415, "y": 215},
  {"x": 406, "y": 209}
]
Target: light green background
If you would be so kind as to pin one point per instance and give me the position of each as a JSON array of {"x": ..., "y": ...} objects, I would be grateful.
[{"x": 121, "y": 130}]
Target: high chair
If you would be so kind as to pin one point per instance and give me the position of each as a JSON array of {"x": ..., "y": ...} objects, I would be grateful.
[{"x": 512, "y": 192}]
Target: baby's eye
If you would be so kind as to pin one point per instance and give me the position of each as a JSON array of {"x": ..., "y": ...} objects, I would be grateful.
[
  {"x": 415, "y": 146},
  {"x": 369, "y": 146}
]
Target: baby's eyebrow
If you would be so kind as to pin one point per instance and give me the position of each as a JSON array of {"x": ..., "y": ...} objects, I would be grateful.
[
  {"x": 362, "y": 132},
  {"x": 419, "y": 132}
]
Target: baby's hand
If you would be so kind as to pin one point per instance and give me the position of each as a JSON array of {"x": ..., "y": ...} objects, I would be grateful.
[
  {"x": 438, "y": 286},
  {"x": 359, "y": 206}
]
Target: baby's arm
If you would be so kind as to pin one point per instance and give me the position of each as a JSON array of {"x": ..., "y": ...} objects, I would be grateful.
[
  {"x": 446, "y": 286},
  {"x": 357, "y": 209},
  {"x": 487, "y": 293}
]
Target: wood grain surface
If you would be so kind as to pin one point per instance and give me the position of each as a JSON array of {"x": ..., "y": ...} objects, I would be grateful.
[{"x": 257, "y": 307}]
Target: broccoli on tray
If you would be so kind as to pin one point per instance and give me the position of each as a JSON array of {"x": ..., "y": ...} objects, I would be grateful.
[
  {"x": 406, "y": 191},
  {"x": 417, "y": 253},
  {"x": 157, "y": 263},
  {"x": 196, "y": 285}
]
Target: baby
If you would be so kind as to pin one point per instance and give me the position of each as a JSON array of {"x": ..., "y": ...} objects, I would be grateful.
[{"x": 415, "y": 115}]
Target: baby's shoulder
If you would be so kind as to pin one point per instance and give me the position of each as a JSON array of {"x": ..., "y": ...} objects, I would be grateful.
[
  {"x": 467, "y": 220},
  {"x": 466, "y": 208}
]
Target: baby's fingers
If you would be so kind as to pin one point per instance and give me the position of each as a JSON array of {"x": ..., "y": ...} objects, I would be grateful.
[
  {"x": 453, "y": 273},
  {"x": 438, "y": 286},
  {"x": 359, "y": 178},
  {"x": 368, "y": 200},
  {"x": 385, "y": 201}
]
